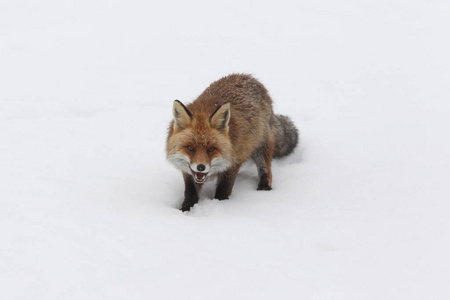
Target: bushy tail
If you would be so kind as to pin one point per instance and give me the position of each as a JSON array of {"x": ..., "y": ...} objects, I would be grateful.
[{"x": 286, "y": 136}]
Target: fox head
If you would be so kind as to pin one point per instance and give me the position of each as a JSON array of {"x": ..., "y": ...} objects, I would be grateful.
[{"x": 198, "y": 142}]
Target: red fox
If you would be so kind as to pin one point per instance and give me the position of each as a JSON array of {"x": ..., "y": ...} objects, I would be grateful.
[{"x": 229, "y": 123}]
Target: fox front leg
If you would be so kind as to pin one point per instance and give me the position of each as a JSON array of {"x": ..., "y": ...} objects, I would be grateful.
[
  {"x": 225, "y": 183},
  {"x": 191, "y": 191}
]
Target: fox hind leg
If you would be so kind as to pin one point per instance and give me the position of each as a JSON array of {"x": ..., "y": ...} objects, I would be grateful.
[{"x": 263, "y": 159}]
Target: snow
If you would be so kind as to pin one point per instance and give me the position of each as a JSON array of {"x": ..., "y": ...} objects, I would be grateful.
[{"x": 88, "y": 203}]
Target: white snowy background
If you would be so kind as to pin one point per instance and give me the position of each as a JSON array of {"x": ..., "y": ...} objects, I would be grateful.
[{"x": 89, "y": 205}]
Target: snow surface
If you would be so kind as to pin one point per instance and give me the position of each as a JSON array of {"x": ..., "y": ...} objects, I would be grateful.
[{"x": 88, "y": 204}]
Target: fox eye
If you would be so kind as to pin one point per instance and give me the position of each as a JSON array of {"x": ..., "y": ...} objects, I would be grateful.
[
  {"x": 190, "y": 148},
  {"x": 211, "y": 149}
]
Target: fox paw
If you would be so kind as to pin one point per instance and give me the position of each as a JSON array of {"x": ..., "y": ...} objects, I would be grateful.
[
  {"x": 263, "y": 187},
  {"x": 185, "y": 208}
]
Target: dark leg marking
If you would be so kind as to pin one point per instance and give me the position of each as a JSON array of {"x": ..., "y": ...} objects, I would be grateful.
[
  {"x": 225, "y": 183},
  {"x": 191, "y": 192},
  {"x": 263, "y": 159}
]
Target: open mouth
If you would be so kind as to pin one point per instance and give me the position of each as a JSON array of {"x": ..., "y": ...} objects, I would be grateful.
[{"x": 199, "y": 177}]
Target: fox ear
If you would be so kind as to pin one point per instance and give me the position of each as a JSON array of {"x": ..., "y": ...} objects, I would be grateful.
[
  {"x": 181, "y": 115},
  {"x": 221, "y": 117}
]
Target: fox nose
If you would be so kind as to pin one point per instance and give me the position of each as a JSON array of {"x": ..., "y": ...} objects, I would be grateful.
[{"x": 201, "y": 167}]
